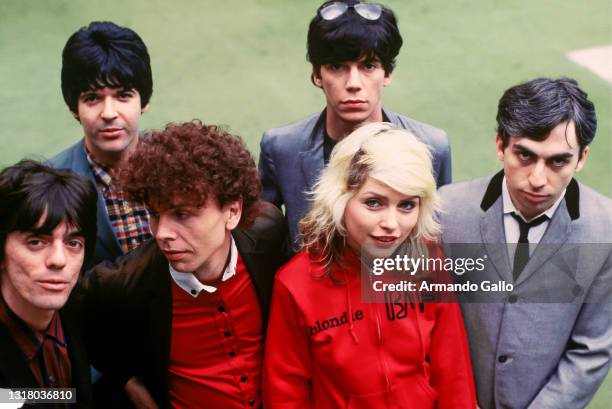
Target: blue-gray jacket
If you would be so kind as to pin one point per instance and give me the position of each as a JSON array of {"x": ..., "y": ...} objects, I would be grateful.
[
  {"x": 291, "y": 160},
  {"x": 107, "y": 246}
]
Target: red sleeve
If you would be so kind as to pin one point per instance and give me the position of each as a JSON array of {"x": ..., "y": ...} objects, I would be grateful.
[
  {"x": 451, "y": 369},
  {"x": 287, "y": 364}
]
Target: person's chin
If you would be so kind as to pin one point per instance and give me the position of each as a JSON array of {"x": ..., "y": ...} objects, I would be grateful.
[
  {"x": 51, "y": 302},
  {"x": 380, "y": 251}
]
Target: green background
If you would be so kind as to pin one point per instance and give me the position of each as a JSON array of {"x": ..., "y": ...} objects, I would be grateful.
[{"x": 242, "y": 63}]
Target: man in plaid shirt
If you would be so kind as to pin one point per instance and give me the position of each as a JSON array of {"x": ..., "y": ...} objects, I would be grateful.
[{"x": 107, "y": 84}]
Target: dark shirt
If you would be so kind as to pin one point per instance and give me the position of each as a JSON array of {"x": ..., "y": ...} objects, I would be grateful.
[
  {"x": 328, "y": 146},
  {"x": 46, "y": 352},
  {"x": 329, "y": 143}
]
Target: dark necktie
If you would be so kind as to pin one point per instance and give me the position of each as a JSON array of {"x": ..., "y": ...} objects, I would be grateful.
[{"x": 521, "y": 255}]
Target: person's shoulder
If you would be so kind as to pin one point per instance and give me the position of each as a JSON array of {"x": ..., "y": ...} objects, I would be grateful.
[
  {"x": 467, "y": 190},
  {"x": 127, "y": 272},
  {"x": 590, "y": 197},
  {"x": 290, "y": 134},
  {"x": 429, "y": 134},
  {"x": 595, "y": 208},
  {"x": 299, "y": 272},
  {"x": 269, "y": 229},
  {"x": 66, "y": 158}
]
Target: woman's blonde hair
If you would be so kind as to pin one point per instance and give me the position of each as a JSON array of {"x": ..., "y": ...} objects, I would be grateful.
[{"x": 378, "y": 150}]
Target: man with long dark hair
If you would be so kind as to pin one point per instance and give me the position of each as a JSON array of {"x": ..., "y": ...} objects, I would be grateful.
[{"x": 47, "y": 230}]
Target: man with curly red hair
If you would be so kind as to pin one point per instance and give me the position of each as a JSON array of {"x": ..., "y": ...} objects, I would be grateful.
[{"x": 182, "y": 318}]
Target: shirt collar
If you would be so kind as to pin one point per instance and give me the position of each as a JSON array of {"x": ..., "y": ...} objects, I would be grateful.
[
  {"x": 102, "y": 172},
  {"x": 191, "y": 285},
  {"x": 510, "y": 208}
]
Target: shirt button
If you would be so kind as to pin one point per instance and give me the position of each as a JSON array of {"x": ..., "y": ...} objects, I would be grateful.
[
  {"x": 243, "y": 379},
  {"x": 51, "y": 378},
  {"x": 503, "y": 358},
  {"x": 227, "y": 334},
  {"x": 194, "y": 292},
  {"x": 252, "y": 402},
  {"x": 221, "y": 309},
  {"x": 512, "y": 299},
  {"x": 232, "y": 354}
]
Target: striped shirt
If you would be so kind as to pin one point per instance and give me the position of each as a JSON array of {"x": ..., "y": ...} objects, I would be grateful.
[
  {"x": 130, "y": 221},
  {"x": 46, "y": 352}
]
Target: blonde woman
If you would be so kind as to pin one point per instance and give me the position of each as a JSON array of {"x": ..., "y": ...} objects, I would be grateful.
[{"x": 325, "y": 347}]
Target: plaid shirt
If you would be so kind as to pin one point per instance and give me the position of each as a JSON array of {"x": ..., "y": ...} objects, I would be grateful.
[
  {"x": 130, "y": 221},
  {"x": 46, "y": 352}
]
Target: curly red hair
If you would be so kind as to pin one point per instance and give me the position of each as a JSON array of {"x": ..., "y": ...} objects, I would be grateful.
[{"x": 192, "y": 161}]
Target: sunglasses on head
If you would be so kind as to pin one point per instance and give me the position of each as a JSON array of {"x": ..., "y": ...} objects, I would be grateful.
[{"x": 334, "y": 10}]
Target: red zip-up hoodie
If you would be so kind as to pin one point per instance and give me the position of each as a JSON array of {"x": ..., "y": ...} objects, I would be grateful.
[{"x": 326, "y": 348}]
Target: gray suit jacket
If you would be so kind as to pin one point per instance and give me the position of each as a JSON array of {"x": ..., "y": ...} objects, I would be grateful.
[
  {"x": 548, "y": 343},
  {"x": 291, "y": 160},
  {"x": 107, "y": 246}
]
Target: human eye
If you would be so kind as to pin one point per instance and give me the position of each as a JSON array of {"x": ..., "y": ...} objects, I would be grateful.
[
  {"x": 335, "y": 67},
  {"x": 372, "y": 203},
  {"x": 408, "y": 205},
  {"x": 182, "y": 214},
  {"x": 89, "y": 97},
  {"x": 370, "y": 65},
  {"x": 559, "y": 162},
  {"x": 524, "y": 156},
  {"x": 76, "y": 243},
  {"x": 125, "y": 94},
  {"x": 35, "y": 243}
]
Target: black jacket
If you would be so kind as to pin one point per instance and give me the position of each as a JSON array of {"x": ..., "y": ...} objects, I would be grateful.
[
  {"x": 128, "y": 304},
  {"x": 15, "y": 372}
]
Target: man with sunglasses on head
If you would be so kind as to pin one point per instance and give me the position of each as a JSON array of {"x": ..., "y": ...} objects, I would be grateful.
[{"x": 352, "y": 47}]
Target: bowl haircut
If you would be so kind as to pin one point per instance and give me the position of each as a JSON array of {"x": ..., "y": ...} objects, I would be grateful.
[{"x": 37, "y": 198}]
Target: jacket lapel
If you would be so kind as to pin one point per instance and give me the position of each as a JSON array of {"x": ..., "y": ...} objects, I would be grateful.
[
  {"x": 259, "y": 268},
  {"x": 81, "y": 378},
  {"x": 13, "y": 365},
  {"x": 160, "y": 314},
  {"x": 311, "y": 159},
  {"x": 494, "y": 239},
  {"x": 492, "y": 228},
  {"x": 557, "y": 233}
]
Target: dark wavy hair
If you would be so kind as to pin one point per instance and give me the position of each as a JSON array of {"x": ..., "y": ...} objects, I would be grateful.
[
  {"x": 351, "y": 37},
  {"x": 532, "y": 109},
  {"x": 104, "y": 54},
  {"x": 30, "y": 190},
  {"x": 192, "y": 161}
]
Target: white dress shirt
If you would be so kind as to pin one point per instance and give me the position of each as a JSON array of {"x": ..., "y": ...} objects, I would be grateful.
[
  {"x": 511, "y": 226},
  {"x": 190, "y": 284}
]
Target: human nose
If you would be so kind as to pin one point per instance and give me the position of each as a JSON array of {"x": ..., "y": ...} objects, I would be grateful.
[
  {"x": 56, "y": 259},
  {"x": 109, "y": 111},
  {"x": 353, "y": 82},
  {"x": 389, "y": 221},
  {"x": 162, "y": 228},
  {"x": 537, "y": 177}
]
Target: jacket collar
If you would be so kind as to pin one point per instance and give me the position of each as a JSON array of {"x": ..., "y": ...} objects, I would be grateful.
[
  {"x": 312, "y": 158},
  {"x": 494, "y": 191}
]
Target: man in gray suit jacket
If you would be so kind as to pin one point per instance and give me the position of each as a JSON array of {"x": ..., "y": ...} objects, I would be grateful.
[
  {"x": 546, "y": 342},
  {"x": 352, "y": 47}
]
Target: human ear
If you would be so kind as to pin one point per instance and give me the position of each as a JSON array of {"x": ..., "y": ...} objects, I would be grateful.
[{"x": 233, "y": 213}]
